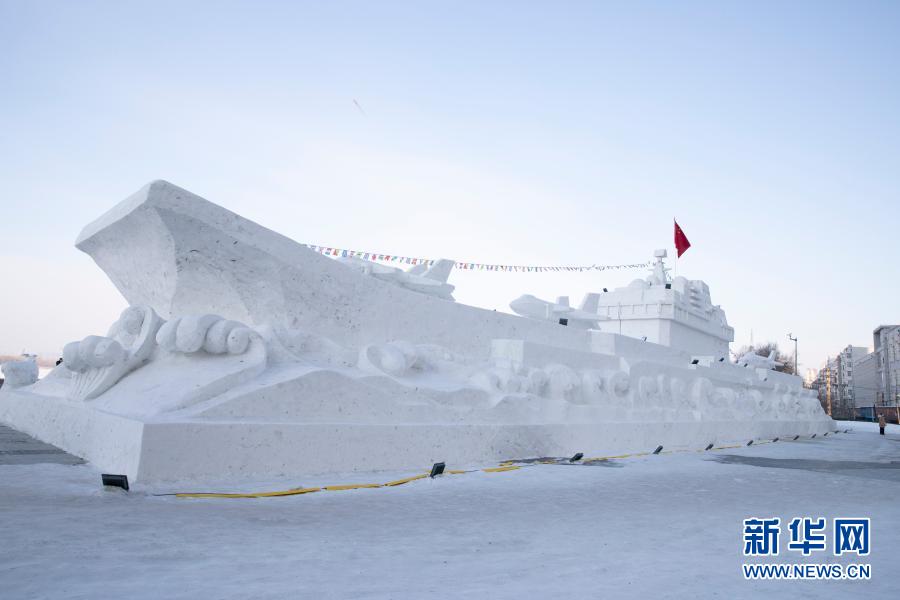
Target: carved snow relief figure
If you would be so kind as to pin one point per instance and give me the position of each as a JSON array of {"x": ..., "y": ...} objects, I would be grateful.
[
  {"x": 209, "y": 333},
  {"x": 99, "y": 362}
]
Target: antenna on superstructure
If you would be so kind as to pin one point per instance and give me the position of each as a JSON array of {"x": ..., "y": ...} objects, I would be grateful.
[{"x": 660, "y": 274}]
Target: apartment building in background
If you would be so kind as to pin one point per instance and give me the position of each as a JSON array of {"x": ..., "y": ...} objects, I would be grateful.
[
  {"x": 887, "y": 349},
  {"x": 865, "y": 380},
  {"x": 845, "y": 392}
]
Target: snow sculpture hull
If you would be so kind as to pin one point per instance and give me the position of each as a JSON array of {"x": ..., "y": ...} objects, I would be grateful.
[
  {"x": 179, "y": 254},
  {"x": 270, "y": 359}
]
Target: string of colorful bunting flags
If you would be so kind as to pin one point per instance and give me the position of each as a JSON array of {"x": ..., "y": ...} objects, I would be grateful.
[{"x": 471, "y": 266}]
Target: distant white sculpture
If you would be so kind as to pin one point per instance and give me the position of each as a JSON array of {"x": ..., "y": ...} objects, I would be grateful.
[
  {"x": 18, "y": 373},
  {"x": 557, "y": 312},
  {"x": 753, "y": 360},
  {"x": 99, "y": 362},
  {"x": 419, "y": 278}
]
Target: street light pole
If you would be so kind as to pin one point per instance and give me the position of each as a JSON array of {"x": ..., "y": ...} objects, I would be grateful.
[{"x": 793, "y": 339}]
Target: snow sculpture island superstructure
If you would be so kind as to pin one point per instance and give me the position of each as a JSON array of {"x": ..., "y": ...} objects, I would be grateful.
[{"x": 246, "y": 354}]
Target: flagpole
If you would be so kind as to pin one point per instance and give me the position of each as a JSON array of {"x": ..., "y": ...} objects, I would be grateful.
[{"x": 676, "y": 254}]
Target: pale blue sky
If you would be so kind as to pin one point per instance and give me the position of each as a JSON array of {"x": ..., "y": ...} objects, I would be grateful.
[{"x": 494, "y": 132}]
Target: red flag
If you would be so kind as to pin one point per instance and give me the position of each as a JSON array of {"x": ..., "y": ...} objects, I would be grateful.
[{"x": 681, "y": 241}]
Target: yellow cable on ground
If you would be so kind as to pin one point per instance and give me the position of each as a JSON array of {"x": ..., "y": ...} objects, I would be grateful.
[
  {"x": 406, "y": 480},
  {"x": 507, "y": 465},
  {"x": 618, "y": 456},
  {"x": 293, "y": 492},
  {"x": 351, "y": 486}
]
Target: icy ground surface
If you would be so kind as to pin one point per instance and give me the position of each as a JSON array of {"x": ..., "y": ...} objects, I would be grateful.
[{"x": 665, "y": 526}]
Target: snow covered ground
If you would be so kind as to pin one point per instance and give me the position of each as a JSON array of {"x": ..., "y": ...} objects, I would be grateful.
[{"x": 667, "y": 526}]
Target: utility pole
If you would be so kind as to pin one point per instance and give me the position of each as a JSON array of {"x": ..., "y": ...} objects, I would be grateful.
[{"x": 793, "y": 339}]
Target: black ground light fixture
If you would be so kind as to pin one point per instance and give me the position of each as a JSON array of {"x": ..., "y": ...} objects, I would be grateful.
[
  {"x": 658, "y": 450},
  {"x": 825, "y": 434},
  {"x": 578, "y": 456},
  {"x": 437, "y": 469},
  {"x": 709, "y": 447},
  {"x": 796, "y": 437},
  {"x": 696, "y": 361},
  {"x": 813, "y": 435},
  {"x": 775, "y": 440},
  {"x": 750, "y": 443},
  {"x": 119, "y": 481}
]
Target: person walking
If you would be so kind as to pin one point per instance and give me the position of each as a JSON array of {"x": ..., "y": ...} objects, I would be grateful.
[{"x": 881, "y": 424}]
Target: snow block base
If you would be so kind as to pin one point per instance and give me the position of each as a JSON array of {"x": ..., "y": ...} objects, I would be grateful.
[{"x": 168, "y": 451}]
